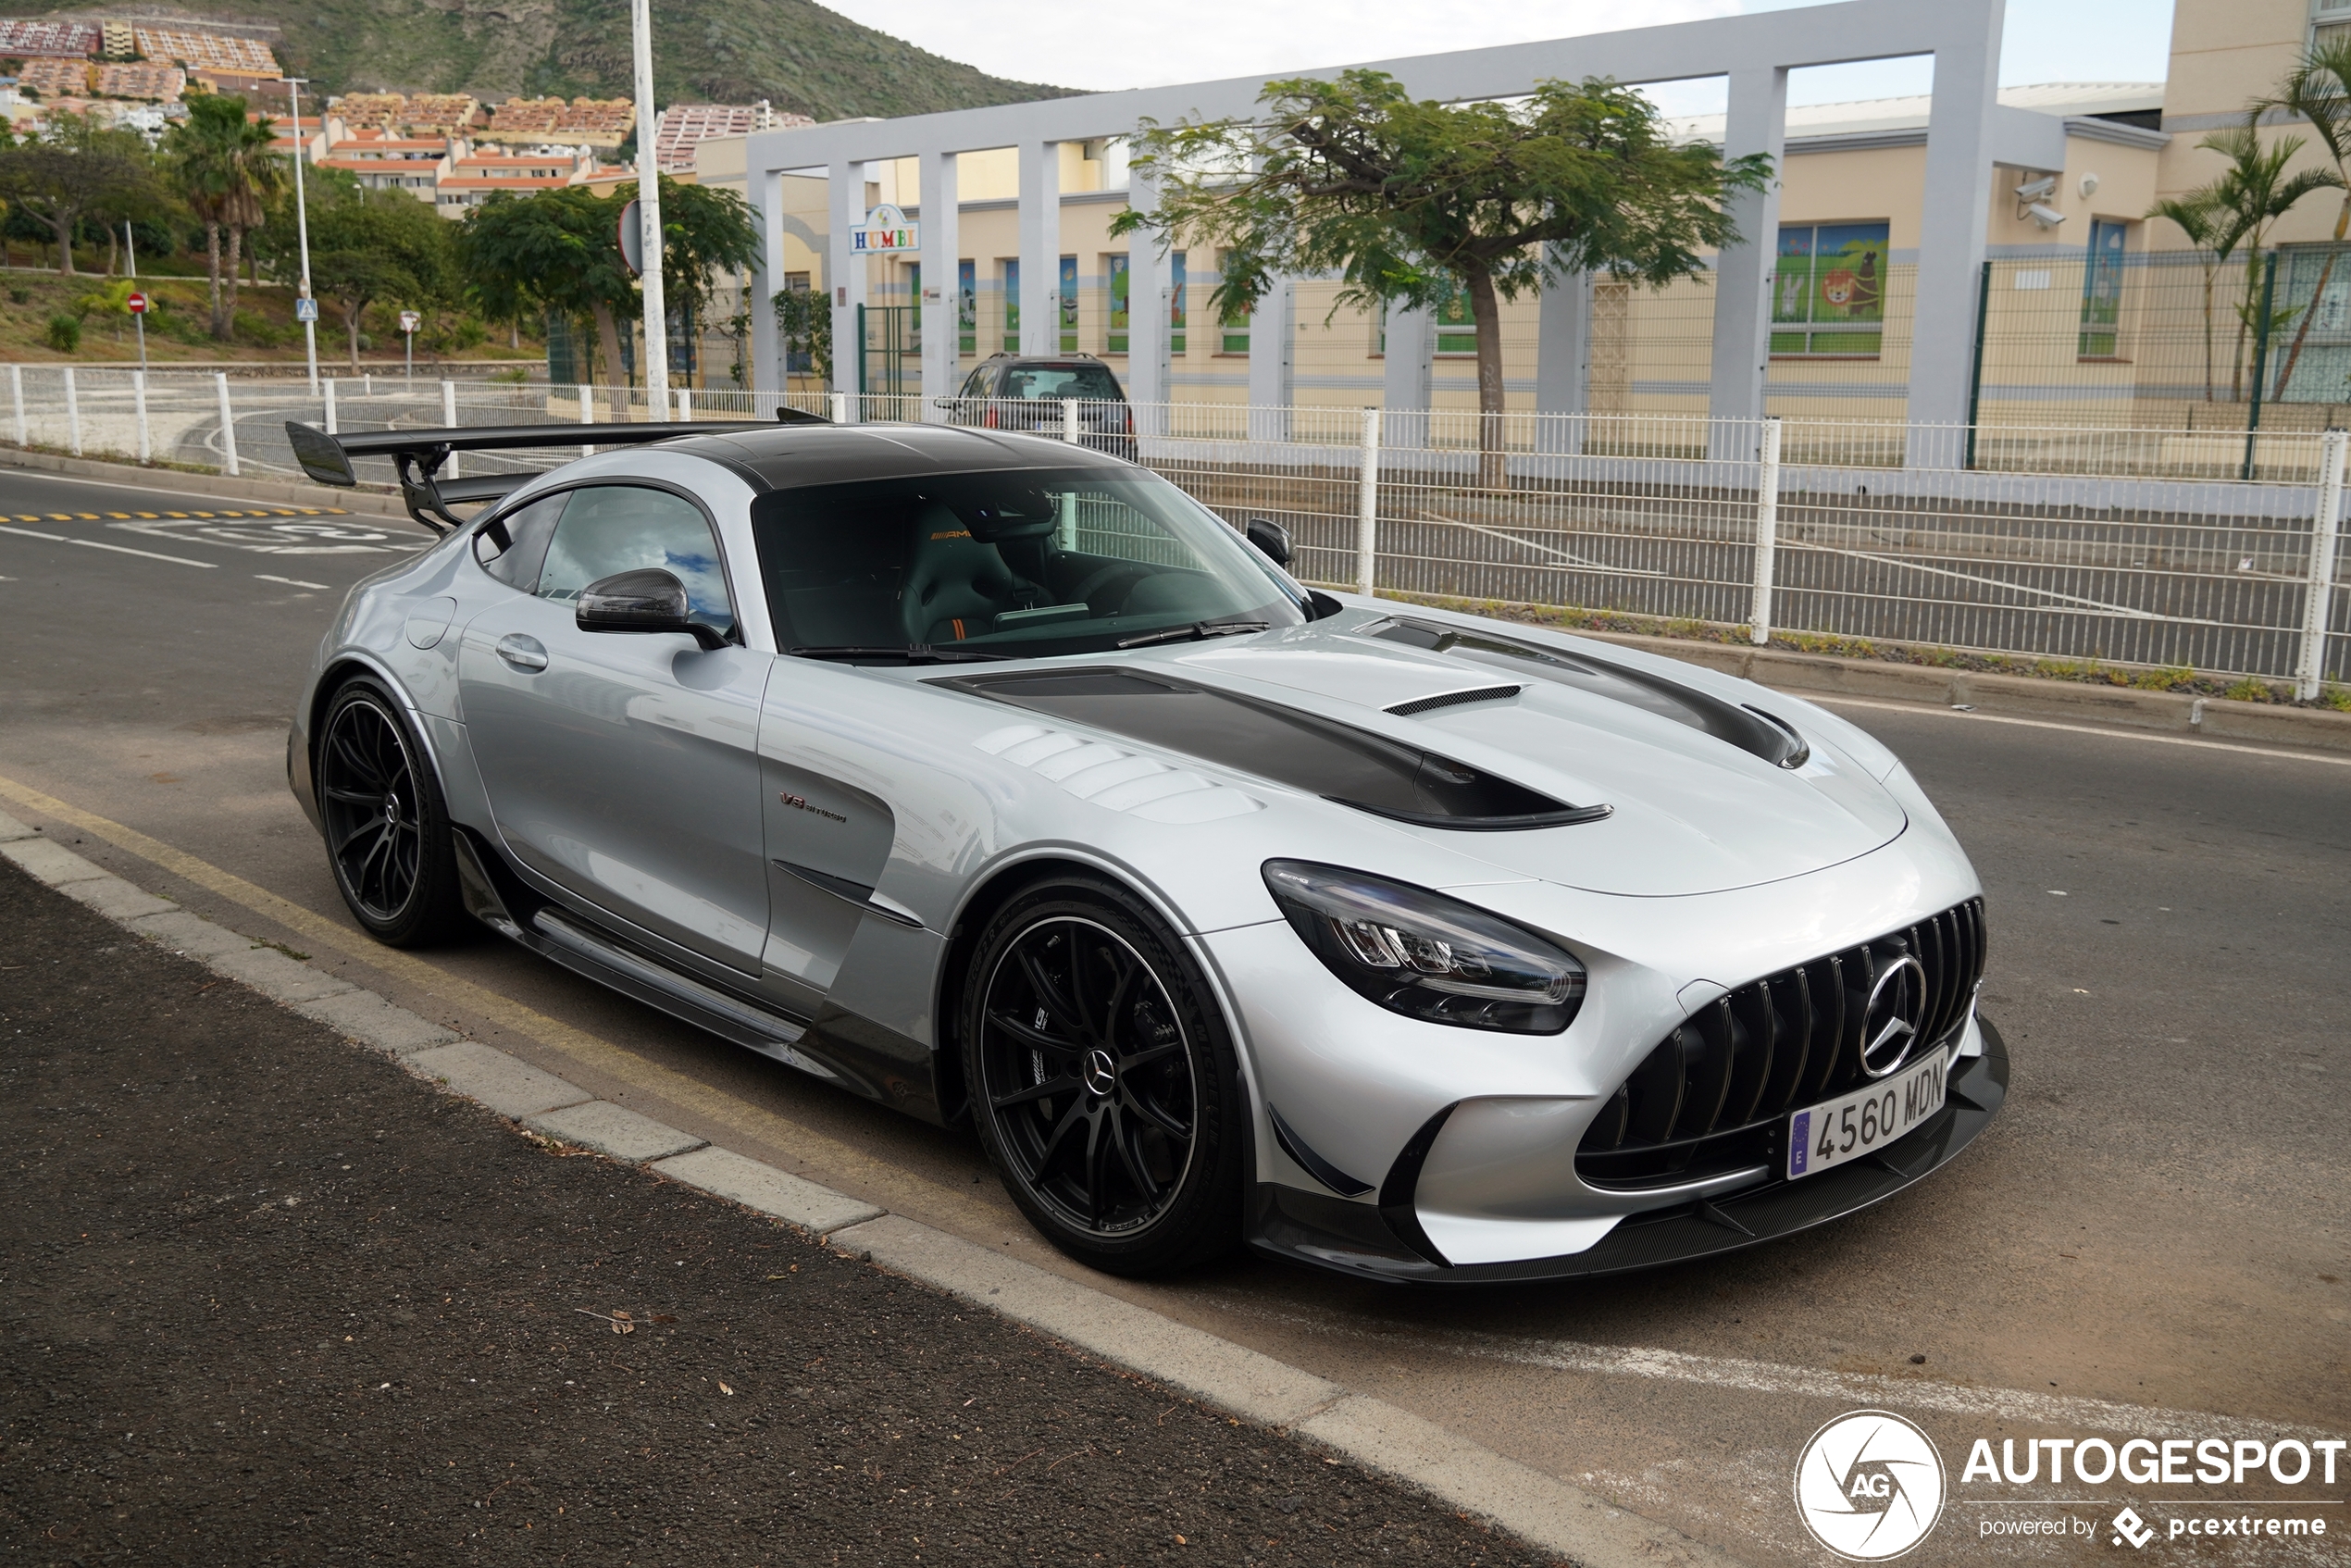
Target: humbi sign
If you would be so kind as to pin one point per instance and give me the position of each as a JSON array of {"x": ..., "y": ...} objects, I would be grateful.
[
  {"x": 885, "y": 231},
  {"x": 1870, "y": 1485}
]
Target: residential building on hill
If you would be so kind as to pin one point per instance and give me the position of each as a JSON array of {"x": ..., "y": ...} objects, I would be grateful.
[
  {"x": 582, "y": 122},
  {"x": 214, "y": 50},
  {"x": 682, "y": 125},
  {"x": 413, "y": 164},
  {"x": 25, "y": 40},
  {"x": 472, "y": 179}
]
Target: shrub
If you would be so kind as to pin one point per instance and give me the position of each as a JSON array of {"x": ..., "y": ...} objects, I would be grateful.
[
  {"x": 19, "y": 296},
  {"x": 2250, "y": 691},
  {"x": 65, "y": 332},
  {"x": 2337, "y": 697}
]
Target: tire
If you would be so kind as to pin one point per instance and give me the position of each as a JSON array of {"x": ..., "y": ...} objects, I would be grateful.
[
  {"x": 387, "y": 836},
  {"x": 1103, "y": 1081}
]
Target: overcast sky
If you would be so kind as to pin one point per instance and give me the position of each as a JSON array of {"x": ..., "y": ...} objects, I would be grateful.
[{"x": 1130, "y": 45}]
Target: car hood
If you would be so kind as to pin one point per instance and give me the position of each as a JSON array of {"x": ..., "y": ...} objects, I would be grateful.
[{"x": 1690, "y": 812}]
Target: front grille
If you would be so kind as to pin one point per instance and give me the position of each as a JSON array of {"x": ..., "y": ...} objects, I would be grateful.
[{"x": 1713, "y": 1097}]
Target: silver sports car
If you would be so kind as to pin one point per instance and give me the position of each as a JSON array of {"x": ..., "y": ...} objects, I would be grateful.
[{"x": 992, "y": 778}]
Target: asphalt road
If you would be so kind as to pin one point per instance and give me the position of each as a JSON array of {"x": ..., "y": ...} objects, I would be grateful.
[{"x": 2153, "y": 1229}]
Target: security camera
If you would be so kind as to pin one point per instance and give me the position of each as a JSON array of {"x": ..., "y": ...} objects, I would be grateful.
[
  {"x": 2032, "y": 191},
  {"x": 2044, "y": 216}
]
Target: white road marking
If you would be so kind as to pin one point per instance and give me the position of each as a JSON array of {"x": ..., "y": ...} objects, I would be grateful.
[
  {"x": 1856, "y": 1390},
  {"x": 295, "y": 581},
  {"x": 2076, "y": 729},
  {"x": 122, "y": 549}
]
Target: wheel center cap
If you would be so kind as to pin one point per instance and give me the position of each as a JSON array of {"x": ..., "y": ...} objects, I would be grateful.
[
  {"x": 1100, "y": 1073},
  {"x": 391, "y": 809}
]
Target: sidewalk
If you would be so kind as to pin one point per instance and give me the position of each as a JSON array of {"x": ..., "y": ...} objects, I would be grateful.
[{"x": 268, "y": 1298}]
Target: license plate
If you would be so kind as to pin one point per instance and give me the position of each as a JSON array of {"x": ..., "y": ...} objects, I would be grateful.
[{"x": 1853, "y": 1125}]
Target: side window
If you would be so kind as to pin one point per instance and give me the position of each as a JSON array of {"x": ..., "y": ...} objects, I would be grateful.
[
  {"x": 975, "y": 384},
  {"x": 527, "y": 533},
  {"x": 608, "y": 528}
]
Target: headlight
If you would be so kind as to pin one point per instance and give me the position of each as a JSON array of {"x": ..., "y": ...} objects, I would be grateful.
[{"x": 1425, "y": 955}]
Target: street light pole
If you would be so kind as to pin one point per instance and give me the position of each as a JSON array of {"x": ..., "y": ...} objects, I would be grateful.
[
  {"x": 649, "y": 215},
  {"x": 302, "y": 229}
]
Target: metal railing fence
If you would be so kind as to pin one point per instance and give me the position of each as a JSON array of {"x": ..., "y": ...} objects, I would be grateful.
[{"x": 2159, "y": 547}]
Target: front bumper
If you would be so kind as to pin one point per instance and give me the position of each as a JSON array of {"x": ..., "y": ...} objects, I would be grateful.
[{"x": 1372, "y": 1243}]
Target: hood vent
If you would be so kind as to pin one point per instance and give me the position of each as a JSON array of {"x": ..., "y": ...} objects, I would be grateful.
[
  {"x": 1454, "y": 699},
  {"x": 1751, "y": 729},
  {"x": 1336, "y": 761}
]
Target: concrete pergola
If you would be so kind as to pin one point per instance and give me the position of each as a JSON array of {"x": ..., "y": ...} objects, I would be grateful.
[{"x": 1968, "y": 132}]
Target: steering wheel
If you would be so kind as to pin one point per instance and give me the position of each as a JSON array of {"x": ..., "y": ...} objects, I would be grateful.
[{"x": 1084, "y": 591}]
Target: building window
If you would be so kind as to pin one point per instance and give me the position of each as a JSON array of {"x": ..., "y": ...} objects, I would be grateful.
[
  {"x": 1011, "y": 266},
  {"x": 967, "y": 306},
  {"x": 798, "y": 361},
  {"x": 1456, "y": 323},
  {"x": 2102, "y": 290},
  {"x": 1178, "y": 315},
  {"x": 1067, "y": 302},
  {"x": 1828, "y": 290},
  {"x": 1231, "y": 324},
  {"x": 1115, "y": 322}
]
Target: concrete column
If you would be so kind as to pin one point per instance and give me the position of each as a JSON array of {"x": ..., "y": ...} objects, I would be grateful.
[
  {"x": 943, "y": 244},
  {"x": 1272, "y": 339},
  {"x": 1758, "y": 123},
  {"x": 1563, "y": 361},
  {"x": 1956, "y": 209},
  {"x": 1404, "y": 393},
  {"x": 846, "y": 275},
  {"x": 766, "y": 277},
  {"x": 1148, "y": 280},
  {"x": 1040, "y": 247}
]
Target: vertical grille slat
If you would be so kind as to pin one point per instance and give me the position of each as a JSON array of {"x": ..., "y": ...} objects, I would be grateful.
[{"x": 1710, "y": 1096}]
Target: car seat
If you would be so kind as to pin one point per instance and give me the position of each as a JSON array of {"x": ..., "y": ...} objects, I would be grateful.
[{"x": 956, "y": 585}]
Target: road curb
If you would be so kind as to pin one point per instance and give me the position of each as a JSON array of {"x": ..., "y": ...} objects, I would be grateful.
[
  {"x": 368, "y": 503},
  {"x": 1540, "y": 1508},
  {"x": 2210, "y": 718}
]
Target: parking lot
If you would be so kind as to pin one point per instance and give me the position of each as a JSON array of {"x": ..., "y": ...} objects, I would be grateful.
[{"x": 2149, "y": 1240}]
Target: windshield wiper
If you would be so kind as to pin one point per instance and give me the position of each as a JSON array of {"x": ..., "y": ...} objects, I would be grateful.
[
  {"x": 1194, "y": 632},
  {"x": 913, "y": 652}
]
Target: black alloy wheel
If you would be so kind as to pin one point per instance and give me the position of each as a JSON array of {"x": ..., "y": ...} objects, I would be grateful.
[
  {"x": 388, "y": 834},
  {"x": 1105, "y": 1088}
]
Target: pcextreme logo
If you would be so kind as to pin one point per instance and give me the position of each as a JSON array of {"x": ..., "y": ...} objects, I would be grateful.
[{"x": 1870, "y": 1485}]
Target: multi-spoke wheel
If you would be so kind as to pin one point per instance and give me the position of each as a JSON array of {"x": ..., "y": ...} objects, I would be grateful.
[
  {"x": 387, "y": 833},
  {"x": 1102, "y": 1080}
]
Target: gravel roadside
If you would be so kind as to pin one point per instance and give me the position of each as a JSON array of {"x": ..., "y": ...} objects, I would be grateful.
[{"x": 264, "y": 1297}]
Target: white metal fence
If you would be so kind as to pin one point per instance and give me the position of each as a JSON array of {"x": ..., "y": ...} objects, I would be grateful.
[{"x": 2158, "y": 547}]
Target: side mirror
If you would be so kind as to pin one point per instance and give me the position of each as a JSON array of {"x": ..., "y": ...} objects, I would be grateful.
[
  {"x": 1270, "y": 538},
  {"x": 646, "y": 600}
]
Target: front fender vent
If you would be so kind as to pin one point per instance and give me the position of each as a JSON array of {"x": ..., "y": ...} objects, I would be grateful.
[{"x": 1715, "y": 1096}]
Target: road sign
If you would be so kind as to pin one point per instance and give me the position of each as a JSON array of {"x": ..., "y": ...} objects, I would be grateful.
[
  {"x": 305, "y": 309},
  {"x": 136, "y": 304},
  {"x": 410, "y": 321},
  {"x": 633, "y": 238}
]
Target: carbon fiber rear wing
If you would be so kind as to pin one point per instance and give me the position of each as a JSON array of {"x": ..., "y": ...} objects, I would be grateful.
[{"x": 418, "y": 456}]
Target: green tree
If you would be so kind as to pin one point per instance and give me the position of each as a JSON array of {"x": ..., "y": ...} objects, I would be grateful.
[
  {"x": 227, "y": 173},
  {"x": 78, "y": 166},
  {"x": 805, "y": 321},
  {"x": 556, "y": 252},
  {"x": 2255, "y": 191},
  {"x": 705, "y": 230},
  {"x": 2319, "y": 90},
  {"x": 1411, "y": 200},
  {"x": 371, "y": 247},
  {"x": 2204, "y": 217}
]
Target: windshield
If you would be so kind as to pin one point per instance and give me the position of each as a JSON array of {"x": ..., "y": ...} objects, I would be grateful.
[{"x": 1022, "y": 564}]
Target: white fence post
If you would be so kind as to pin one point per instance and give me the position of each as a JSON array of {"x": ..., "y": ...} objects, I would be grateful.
[
  {"x": 139, "y": 406},
  {"x": 449, "y": 421},
  {"x": 587, "y": 413},
  {"x": 1767, "y": 532},
  {"x": 2320, "y": 597},
  {"x": 1367, "y": 506},
  {"x": 685, "y": 405},
  {"x": 73, "y": 415},
  {"x": 1069, "y": 420},
  {"x": 331, "y": 404},
  {"x": 228, "y": 426},
  {"x": 15, "y": 392},
  {"x": 838, "y": 407}
]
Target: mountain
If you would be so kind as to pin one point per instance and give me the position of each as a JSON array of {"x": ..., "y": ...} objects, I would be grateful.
[{"x": 795, "y": 53}]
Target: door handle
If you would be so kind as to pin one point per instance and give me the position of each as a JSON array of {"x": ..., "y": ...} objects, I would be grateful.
[{"x": 523, "y": 652}]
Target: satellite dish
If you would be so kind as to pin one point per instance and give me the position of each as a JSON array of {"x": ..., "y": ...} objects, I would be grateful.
[{"x": 632, "y": 240}]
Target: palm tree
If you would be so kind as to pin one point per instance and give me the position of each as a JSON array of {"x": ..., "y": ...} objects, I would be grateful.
[
  {"x": 2319, "y": 90},
  {"x": 227, "y": 172},
  {"x": 2255, "y": 192},
  {"x": 2204, "y": 217}
]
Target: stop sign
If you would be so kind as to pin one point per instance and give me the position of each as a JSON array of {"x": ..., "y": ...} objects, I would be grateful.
[{"x": 136, "y": 304}]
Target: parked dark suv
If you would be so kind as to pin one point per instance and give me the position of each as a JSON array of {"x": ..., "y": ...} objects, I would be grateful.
[{"x": 1011, "y": 391}]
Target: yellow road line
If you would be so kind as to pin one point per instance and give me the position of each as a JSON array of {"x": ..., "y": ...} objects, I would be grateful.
[{"x": 804, "y": 1145}]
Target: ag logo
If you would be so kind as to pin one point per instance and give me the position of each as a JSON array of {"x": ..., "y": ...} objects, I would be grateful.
[{"x": 1870, "y": 1485}]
